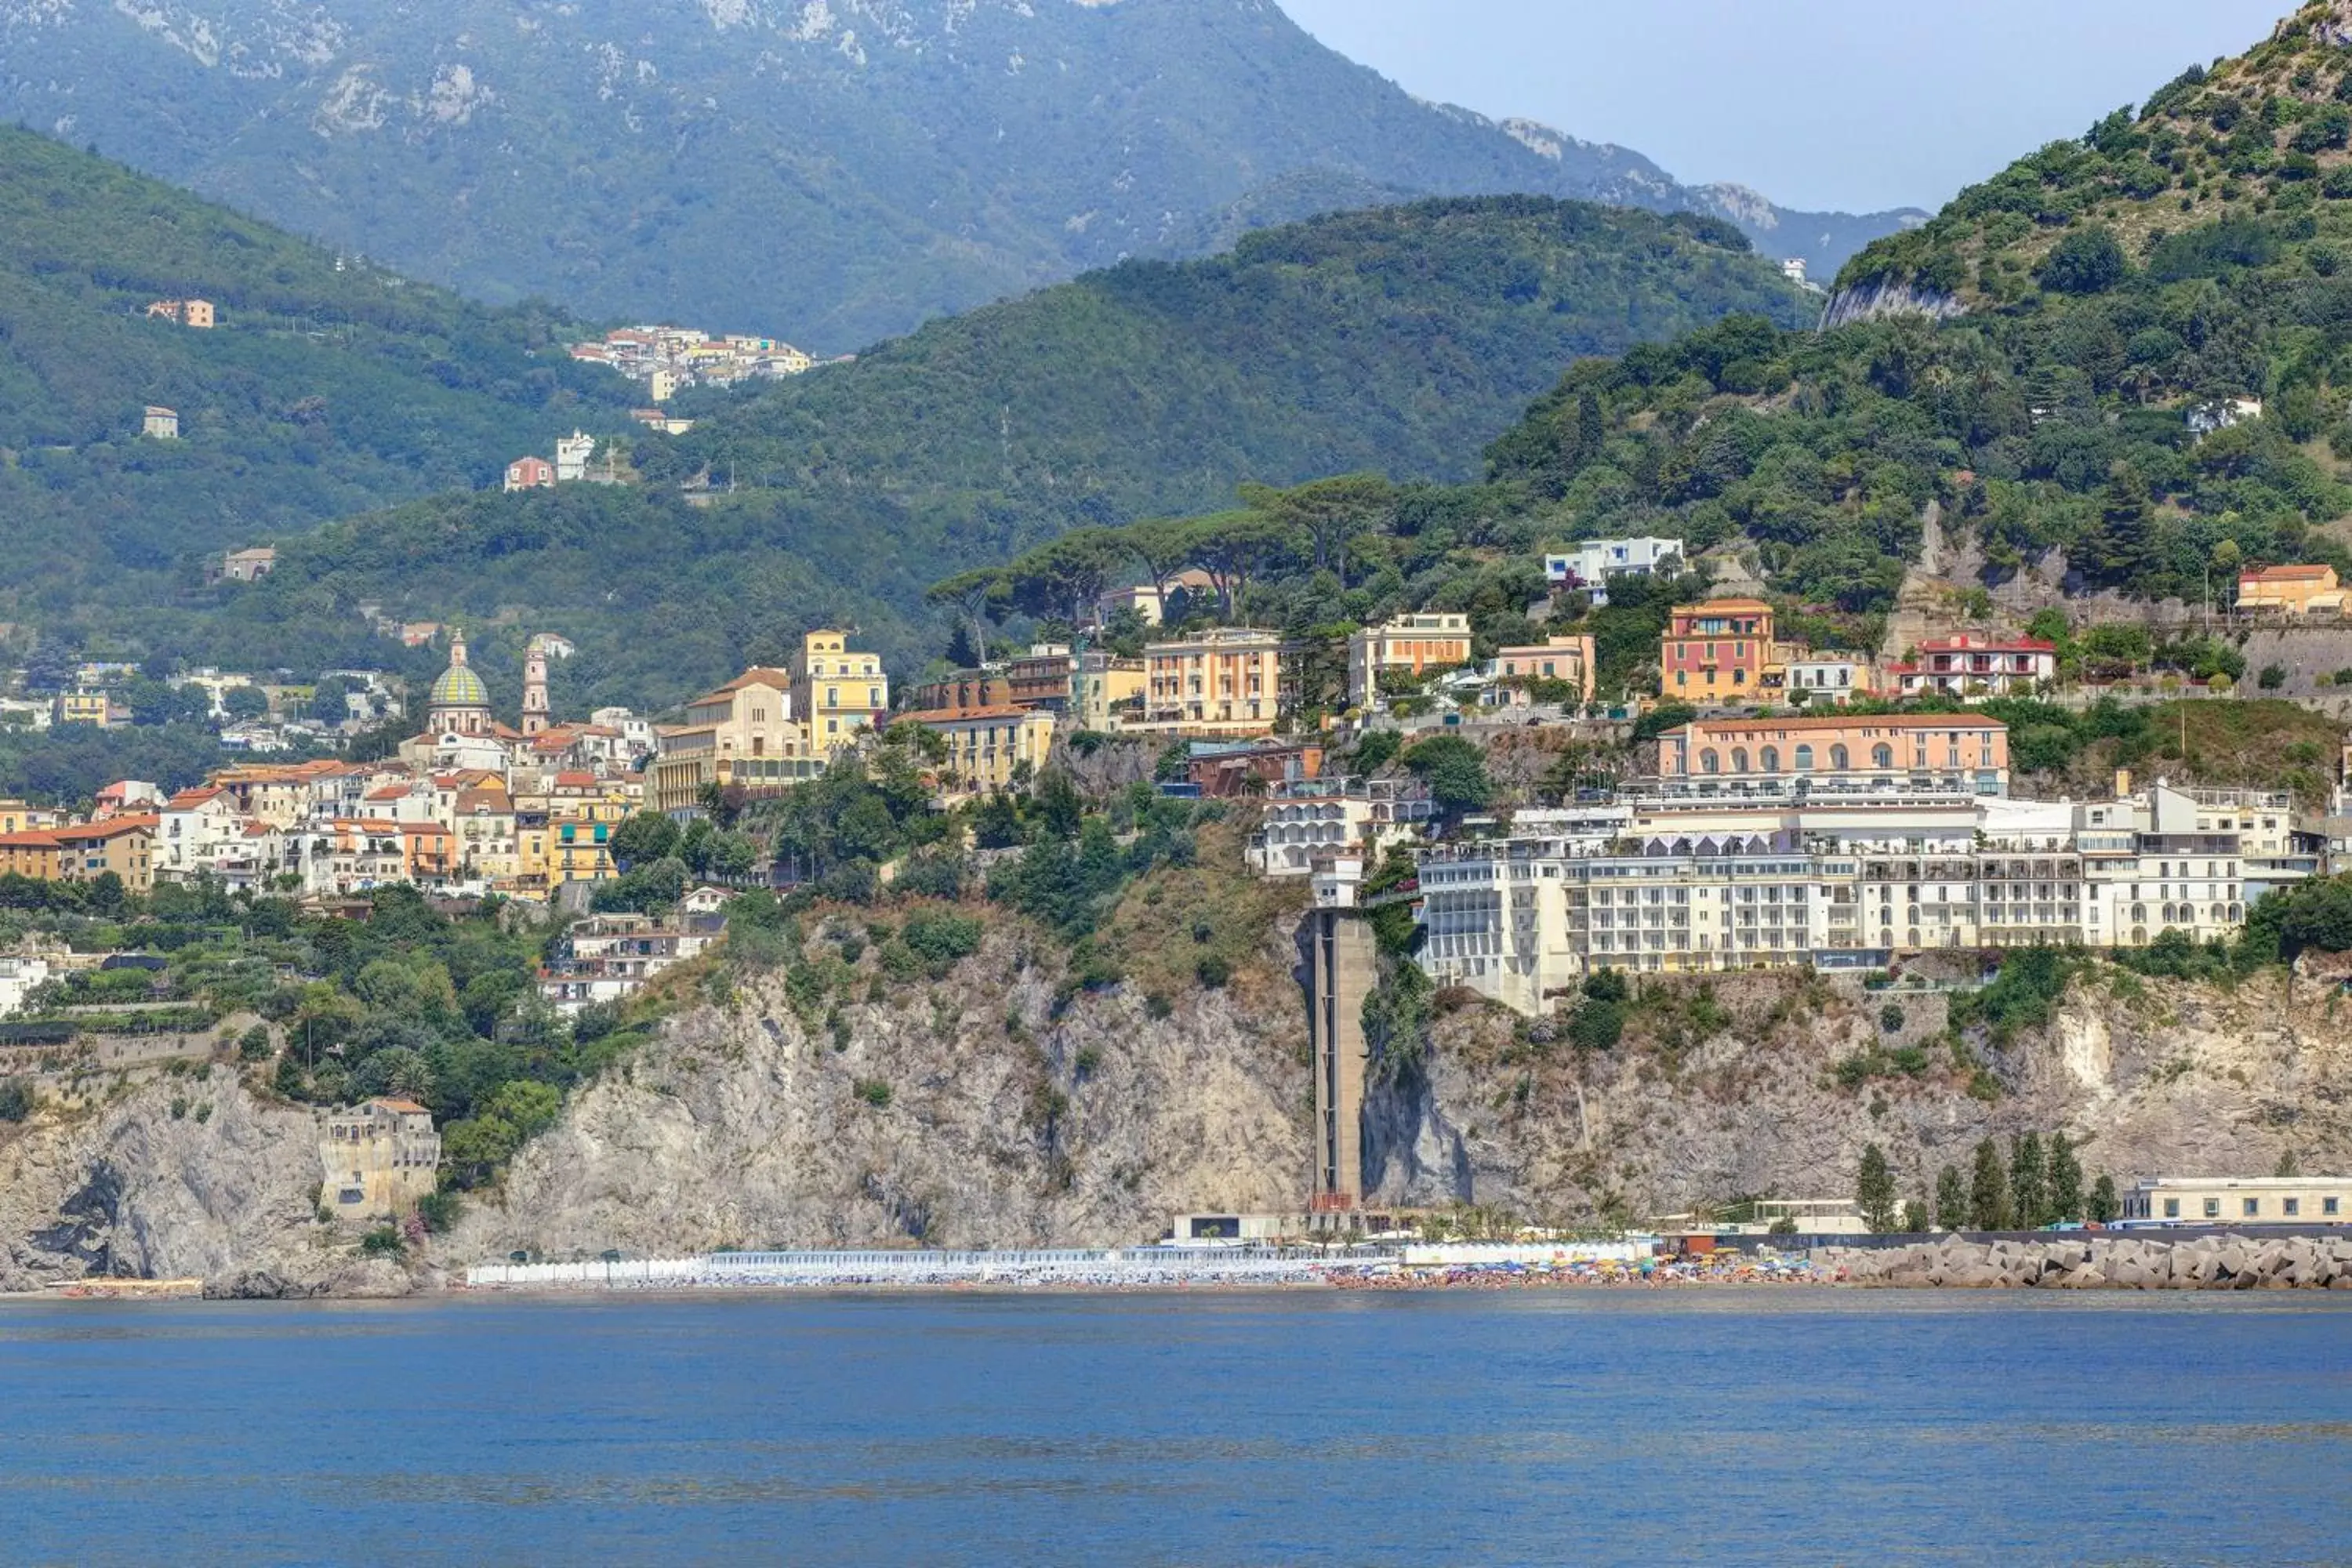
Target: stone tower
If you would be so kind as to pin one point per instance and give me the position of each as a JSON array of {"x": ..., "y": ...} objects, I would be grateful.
[{"x": 534, "y": 689}]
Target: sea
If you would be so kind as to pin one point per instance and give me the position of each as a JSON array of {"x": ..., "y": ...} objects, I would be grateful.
[{"x": 1731, "y": 1426}]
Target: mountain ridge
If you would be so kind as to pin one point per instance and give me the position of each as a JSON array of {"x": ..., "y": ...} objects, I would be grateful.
[{"x": 833, "y": 171}]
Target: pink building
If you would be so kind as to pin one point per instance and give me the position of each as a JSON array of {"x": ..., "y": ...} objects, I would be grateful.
[{"x": 1978, "y": 664}]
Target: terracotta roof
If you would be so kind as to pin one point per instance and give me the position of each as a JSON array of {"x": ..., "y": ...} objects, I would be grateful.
[
  {"x": 389, "y": 791},
  {"x": 1721, "y": 605},
  {"x": 403, "y": 1107},
  {"x": 950, "y": 715},
  {"x": 2284, "y": 573},
  {"x": 113, "y": 827},
  {"x": 189, "y": 799},
  {"x": 259, "y": 830},
  {"x": 1846, "y": 722},
  {"x": 1977, "y": 641},
  {"x": 422, "y": 828},
  {"x": 575, "y": 781}
]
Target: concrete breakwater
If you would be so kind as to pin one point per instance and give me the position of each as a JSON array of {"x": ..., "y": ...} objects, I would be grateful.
[{"x": 2104, "y": 1262}]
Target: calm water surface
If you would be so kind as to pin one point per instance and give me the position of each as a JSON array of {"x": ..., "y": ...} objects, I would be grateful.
[{"x": 1725, "y": 1426}]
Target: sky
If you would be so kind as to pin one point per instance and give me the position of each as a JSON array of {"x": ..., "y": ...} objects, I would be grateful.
[{"x": 1837, "y": 105}]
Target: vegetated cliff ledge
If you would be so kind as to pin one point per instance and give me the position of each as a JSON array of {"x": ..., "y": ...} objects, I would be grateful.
[{"x": 1002, "y": 1104}]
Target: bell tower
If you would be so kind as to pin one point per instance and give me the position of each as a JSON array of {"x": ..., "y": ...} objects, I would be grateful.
[{"x": 534, "y": 689}]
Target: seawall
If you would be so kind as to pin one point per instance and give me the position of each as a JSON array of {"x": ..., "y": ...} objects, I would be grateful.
[{"x": 2103, "y": 1262}]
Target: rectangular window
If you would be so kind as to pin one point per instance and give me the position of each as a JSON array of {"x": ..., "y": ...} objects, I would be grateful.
[
  {"x": 2294, "y": 1206},
  {"x": 2252, "y": 1207},
  {"x": 2328, "y": 1205},
  {"x": 2212, "y": 1208}
]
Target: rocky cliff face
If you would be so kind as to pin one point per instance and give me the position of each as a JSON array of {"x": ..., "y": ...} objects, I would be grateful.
[
  {"x": 131, "y": 1189},
  {"x": 2163, "y": 1077},
  {"x": 1005, "y": 1124},
  {"x": 1881, "y": 299},
  {"x": 997, "y": 1106}
]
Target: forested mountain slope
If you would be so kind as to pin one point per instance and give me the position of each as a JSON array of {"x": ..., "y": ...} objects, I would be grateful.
[
  {"x": 321, "y": 391},
  {"x": 2113, "y": 312},
  {"x": 830, "y": 172},
  {"x": 1397, "y": 340}
]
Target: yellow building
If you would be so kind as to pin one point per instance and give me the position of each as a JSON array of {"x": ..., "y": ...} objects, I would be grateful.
[
  {"x": 2290, "y": 590},
  {"x": 836, "y": 692},
  {"x": 1566, "y": 658},
  {"x": 985, "y": 745},
  {"x": 1226, "y": 681},
  {"x": 743, "y": 733},
  {"x": 1411, "y": 645},
  {"x": 84, "y": 707},
  {"x": 16, "y": 817}
]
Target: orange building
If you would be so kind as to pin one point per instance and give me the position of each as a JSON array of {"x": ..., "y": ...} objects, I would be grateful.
[
  {"x": 1940, "y": 750},
  {"x": 1413, "y": 644},
  {"x": 123, "y": 845},
  {"x": 1715, "y": 652},
  {"x": 2289, "y": 589}
]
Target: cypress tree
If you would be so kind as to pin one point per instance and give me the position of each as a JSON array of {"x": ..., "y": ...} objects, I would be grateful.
[
  {"x": 1987, "y": 1191},
  {"x": 2104, "y": 1204},
  {"x": 1951, "y": 1199},
  {"x": 2027, "y": 1182},
  {"x": 2065, "y": 1179},
  {"x": 1875, "y": 1190}
]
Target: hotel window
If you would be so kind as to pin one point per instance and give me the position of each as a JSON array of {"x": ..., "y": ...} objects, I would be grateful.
[
  {"x": 2293, "y": 1207},
  {"x": 2252, "y": 1207},
  {"x": 2172, "y": 1208},
  {"x": 2328, "y": 1205},
  {"x": 2212, "y": 1208}
]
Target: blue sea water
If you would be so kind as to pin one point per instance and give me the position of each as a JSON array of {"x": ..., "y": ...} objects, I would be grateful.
[{"x": 1705, "y": 1426}]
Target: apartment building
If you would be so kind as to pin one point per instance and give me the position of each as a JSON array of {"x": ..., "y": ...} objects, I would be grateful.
[
  {"x": 82, "y": 852},
  {"x": 2290, "y": 591},
  {"x": 839, "y": 693},
  {"x": 1842, "y": 879},
  {"x": 1409, "y": 645},
  {"x": 1953, "y": 751},
  {"x": 379, "y": 1159},
  {"x": 988, "y": 749},
  {"x": 1826, "y": 679},
  {"x": 1571, "y": 659},
  {"x": 1321, "y": 817},
  {"x": 1976, "y": 664},
  {"x": 1224, "y": 682},
  {"x": 1719, "y": 651}
]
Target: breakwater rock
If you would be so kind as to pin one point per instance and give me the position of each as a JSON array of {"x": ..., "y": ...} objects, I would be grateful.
[{"x": 2107, "y": 1262}]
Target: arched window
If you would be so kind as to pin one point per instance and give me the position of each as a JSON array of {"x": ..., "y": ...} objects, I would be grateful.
[
  {"x": 1839, "y": 762},
  {"x": 2217, "y": 914},
  {"x": 1881, "y": 756},
  {"x": 1708, "y": 763},
  {"x": 1804, "y": 759},
  {"x": 1771, "y": 759},
  {"x": 2139, "y": 914},
  {"x": 1739, "y": 759}
]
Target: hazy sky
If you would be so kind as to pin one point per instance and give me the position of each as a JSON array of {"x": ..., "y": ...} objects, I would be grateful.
[{"x": 1838, "y": 104}]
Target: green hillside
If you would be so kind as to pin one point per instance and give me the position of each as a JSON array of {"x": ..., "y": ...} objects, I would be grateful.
[
  {"x": 324, "y": 392},
  {"x": 2198, "y": 249},
  {"x": 1398, "y": 341}
]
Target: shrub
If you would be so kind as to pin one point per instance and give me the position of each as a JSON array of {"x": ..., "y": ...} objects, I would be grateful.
[
  {"x": 385, "y": 1241},
  {"x": 873, "y": 1091},
  {"x": 16, "y": 1099},
  {"x": 1212, "y": 971},
  {"x": 439, "y": 1210},
  {"x": 2273, "y": 677},
  {"x": 253, "y": 1046},
  {"x": 1890, "y": 1018},
  {"x": 939, "y": 937}
]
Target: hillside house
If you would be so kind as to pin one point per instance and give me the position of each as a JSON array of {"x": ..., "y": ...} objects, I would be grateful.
[
  {"x": 2290, "y": 591},
  {"x": 1591, "y": 565},
  {"x": 529, "y": 474},
  {"x": 249, "y": 565},
  {"x": 197, "y": 314},
  {"x": 160, "y": 424}
]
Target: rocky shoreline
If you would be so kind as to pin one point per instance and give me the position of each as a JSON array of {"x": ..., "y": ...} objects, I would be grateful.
[{"x": 2222, "y": 1262}]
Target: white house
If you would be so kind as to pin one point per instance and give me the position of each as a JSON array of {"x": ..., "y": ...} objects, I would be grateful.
[{"x": 1591, "y": 563}]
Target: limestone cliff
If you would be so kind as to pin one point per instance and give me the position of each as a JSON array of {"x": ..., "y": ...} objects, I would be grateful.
[
  {"x": 1882, "y": 297},
  {"x": 131, "y": 1188},
  {"x": 1000, "y": 1105},
  {"x": 1694, "y": 1105},
  {"x": 992, "y": 1107}
]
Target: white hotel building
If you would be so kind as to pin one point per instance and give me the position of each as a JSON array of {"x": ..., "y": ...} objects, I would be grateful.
[{"x": 1676, "y": 882}]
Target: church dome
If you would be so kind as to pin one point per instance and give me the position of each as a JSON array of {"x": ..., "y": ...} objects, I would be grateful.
[{"x": 460, "y": 687}]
